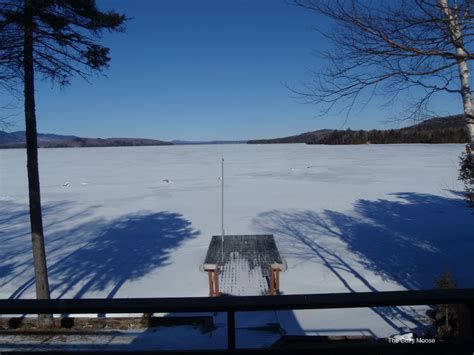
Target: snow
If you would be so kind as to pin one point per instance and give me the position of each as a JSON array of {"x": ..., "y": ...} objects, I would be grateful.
[
  {"x": 238, "y": 278},
  {"x": 137, "y": 222},
  {"x": 162, "y": 338}
]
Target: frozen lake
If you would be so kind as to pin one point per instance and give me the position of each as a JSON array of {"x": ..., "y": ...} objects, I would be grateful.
[{"x": 137, "y": 221}]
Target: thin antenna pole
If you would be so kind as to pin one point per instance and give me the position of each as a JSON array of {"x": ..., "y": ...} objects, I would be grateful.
[{"x": 222, "y": 209}]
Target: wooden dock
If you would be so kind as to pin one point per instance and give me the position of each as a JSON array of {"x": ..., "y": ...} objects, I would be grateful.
[{"x": 244, "y": 265}]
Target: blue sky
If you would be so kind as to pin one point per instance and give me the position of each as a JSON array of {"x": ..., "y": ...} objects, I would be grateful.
[{"x": 202, "y": 70}]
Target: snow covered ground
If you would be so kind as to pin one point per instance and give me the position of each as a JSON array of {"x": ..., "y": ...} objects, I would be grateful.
[{"x": 137, "y": 221}]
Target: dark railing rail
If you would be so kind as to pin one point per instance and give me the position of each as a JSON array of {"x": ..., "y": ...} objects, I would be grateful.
[
  {"x": 463, "y": 297},
  {"x": 238, "y": 304}
]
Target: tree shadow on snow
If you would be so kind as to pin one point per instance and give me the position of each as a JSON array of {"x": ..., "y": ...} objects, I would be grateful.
[
  {"x": 114, "y": 252},
  {"x": 15, "y": 220},
  {"x": 409, "y": 240},
  {"x": 15, "y": 235}
]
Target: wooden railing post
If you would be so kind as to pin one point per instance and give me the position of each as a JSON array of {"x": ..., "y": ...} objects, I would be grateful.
[{"x": 230, "y": 330}]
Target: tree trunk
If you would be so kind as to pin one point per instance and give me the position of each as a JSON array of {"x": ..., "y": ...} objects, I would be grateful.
[
  {"x": 457, "y": 40},
  {"x": 466, "y": 98},
  {"x": 39, "y": 255}
]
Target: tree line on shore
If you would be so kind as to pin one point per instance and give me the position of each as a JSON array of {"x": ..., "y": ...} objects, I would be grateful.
[
  {"x": 422, "y": 133},
  {"x": 450, "y": 129}
]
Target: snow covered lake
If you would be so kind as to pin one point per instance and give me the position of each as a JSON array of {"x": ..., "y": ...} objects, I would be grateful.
[{"x": 137, "y": 221}]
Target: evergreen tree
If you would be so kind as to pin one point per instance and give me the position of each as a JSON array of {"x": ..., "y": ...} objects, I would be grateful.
[
  {"x": 466, "y": 175},
  {"x": 446, "y": 315},
  {"x": 57, "y": 40}
]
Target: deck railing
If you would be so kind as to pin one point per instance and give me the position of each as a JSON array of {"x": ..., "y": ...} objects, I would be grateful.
[{"x": 462, "y": 297}]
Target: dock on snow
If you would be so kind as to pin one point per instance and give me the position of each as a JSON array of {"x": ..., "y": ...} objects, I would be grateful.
[{"x": 243, "y": 265}]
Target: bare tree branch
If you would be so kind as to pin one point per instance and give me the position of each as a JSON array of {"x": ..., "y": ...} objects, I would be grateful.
[{"x": 393, "y": 47}]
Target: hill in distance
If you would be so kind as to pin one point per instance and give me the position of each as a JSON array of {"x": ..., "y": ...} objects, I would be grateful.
[
  {"x": 435, "y": 130},
  {"x": 47, "y": 140},
  {"x": 448, "y": 129}
]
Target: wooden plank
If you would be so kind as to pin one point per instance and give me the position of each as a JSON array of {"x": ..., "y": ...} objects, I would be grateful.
[{"x": 260, "y": 249}]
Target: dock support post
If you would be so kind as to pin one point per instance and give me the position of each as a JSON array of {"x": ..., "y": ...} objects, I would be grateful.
[
  {"x": 216, "y": 283},
  {"x": 277, "y": 272},
  {"x": 213, "y": 276},
  {"x": 274, "y": 281},
  {"x": 211, "y": 286}
]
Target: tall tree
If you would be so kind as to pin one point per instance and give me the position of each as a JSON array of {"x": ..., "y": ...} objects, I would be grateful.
[
  {"x": 56, "y": 39},
  {"x": 420, "y": 46}
]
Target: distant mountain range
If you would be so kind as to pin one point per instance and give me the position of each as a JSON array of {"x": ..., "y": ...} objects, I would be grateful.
[
  {"x": 435, "y": 130},
  {"x": 17, "y": 140},
  {"x": 48, "y": 140}
]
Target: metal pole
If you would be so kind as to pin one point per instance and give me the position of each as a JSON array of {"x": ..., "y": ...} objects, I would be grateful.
[{"x": 222, "y": 210}]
